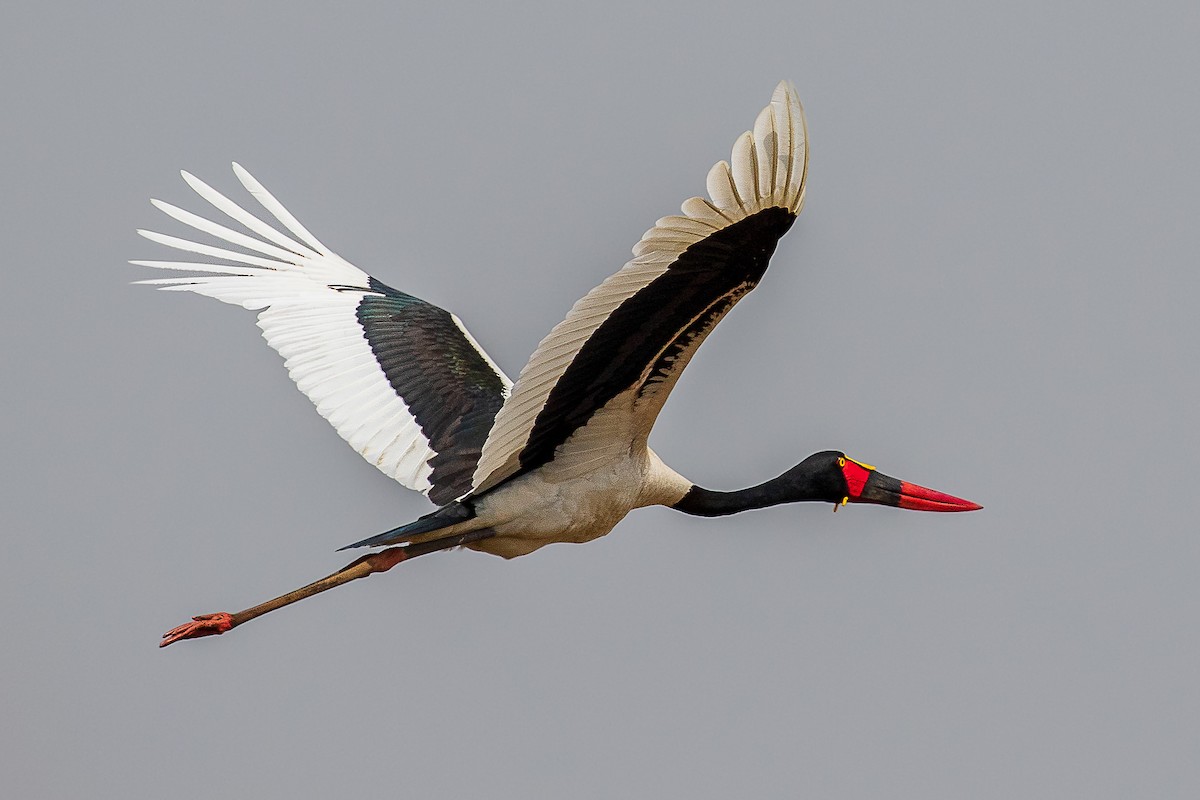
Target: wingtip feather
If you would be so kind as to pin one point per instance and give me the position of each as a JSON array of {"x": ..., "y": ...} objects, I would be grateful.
[{"x": 277, "y": 210}]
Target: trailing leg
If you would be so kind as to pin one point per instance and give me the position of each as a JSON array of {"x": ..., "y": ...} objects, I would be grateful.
[{"x": 212, "y": 624}]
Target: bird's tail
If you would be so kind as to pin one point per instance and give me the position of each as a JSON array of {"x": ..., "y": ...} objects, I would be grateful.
[{"x": 455, "y": 515}]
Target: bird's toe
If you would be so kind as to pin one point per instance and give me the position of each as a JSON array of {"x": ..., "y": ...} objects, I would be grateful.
[{"x": 203, "y": 625}]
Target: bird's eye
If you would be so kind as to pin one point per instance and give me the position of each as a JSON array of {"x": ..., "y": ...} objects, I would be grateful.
[{"x": 841, "y": 461}]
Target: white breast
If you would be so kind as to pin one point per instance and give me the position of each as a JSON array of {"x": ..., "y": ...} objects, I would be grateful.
[
  {"x": 535, "y": 509},
  {"x": 601, "y": 473}
]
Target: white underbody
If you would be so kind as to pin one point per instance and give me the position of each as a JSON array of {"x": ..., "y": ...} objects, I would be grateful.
[
  {"x": 533, "y": 511},
  {"x": 600, "y": 474}
]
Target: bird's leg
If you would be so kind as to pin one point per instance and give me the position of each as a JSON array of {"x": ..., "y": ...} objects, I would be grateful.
[{"x": 211, "y": 624}]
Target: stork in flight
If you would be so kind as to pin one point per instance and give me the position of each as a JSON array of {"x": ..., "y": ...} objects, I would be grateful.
[{"x": 561, "y": 454}]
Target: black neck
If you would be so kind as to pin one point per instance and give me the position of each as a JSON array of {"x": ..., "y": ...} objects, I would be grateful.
[{"x": 707, "y": 503}]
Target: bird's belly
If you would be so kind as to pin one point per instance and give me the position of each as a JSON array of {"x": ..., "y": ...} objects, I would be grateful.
[{"x": 532, "y": 512}]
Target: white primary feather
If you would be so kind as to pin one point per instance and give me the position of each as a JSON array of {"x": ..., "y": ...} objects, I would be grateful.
[{"x": 769, "y": 167}]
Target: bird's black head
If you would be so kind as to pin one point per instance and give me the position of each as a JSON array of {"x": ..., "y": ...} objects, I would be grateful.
[
  {"x": 833, "y": 477},
  {"x": 819, "y": 477}
]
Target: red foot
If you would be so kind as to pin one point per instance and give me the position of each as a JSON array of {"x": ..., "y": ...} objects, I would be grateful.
[{"x": 203, "y": 625}]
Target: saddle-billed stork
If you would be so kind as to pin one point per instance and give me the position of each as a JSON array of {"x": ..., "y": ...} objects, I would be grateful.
[{"x": 561, "y": 454}]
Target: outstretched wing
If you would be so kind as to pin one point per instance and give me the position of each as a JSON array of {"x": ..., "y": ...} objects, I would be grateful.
[
  {"x": 400, "y": 379},
  {"x": 596, "y": 383}
]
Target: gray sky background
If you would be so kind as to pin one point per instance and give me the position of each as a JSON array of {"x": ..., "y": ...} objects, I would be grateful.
[{"x": 992, "y": 291}]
